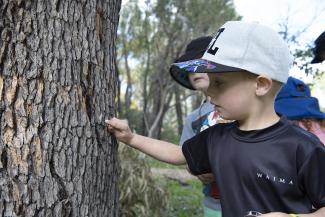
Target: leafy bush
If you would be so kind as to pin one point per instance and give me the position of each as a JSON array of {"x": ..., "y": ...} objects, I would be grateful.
[{"x": 185, "y": 199}]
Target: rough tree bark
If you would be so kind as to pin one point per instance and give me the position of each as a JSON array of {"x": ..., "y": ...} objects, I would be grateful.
[{"x": 57, "y": 86}]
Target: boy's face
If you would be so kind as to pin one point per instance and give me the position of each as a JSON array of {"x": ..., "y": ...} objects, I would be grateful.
[
  {"x": 232, "y": 93},
  {"x": 200, "y": 81}
]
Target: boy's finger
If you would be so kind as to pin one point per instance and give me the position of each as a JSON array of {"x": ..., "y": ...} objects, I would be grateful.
[
  {"x": 109, "y": 127},
  {"x": 116, "y": 123},
  {"x": 111, "y": 122},
  {"x": 108, "y": 121}
]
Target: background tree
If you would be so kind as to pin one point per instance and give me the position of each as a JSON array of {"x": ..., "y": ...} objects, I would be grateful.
[
  {"x": 156, "y": 33},
  {"x": 302, "y": 53},
  {"x": 57, "y": 86}
]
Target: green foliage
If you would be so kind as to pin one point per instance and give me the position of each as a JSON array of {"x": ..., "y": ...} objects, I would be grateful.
[
  {"x": 302, "y": 54},
  {"x": 143, "y": 195},
  {"x": 207, "y": 15},
  {"x": 134, "y": 117},
  {"x": 153, "y": 163},
  {"x": 153, "y": 34},
  {"x": 169, "y": 133},
  {"x": 130, "y": 29},
  {"x": 140, "y": 195},
  {"x": 302, "y": 58},
  {"x": 185, "y": 199}
]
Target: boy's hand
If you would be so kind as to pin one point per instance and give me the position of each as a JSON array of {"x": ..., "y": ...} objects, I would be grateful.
[
  {"x": 120, "y": 129},
  {"x": 206, "y": 178}
]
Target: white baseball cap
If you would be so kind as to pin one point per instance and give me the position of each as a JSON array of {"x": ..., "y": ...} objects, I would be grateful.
[{"x": 239, "y": 46}]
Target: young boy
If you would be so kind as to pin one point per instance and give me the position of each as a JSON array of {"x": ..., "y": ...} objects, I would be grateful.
[{"x": 261, "y": 162}]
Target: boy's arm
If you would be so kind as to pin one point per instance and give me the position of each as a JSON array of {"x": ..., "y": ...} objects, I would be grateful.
[
  {"x": 160, "y": 150},
  {"x": 319, "y": 213}
]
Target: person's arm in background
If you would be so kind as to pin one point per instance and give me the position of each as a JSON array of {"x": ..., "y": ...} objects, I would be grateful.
[{"x": 160, "y": 150}]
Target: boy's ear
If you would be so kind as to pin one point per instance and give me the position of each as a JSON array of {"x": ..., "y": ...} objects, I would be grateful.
[{"x": 263, "y": 85}]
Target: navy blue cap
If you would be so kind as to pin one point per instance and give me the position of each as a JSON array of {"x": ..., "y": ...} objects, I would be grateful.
[{"x": 295, "y": 101}]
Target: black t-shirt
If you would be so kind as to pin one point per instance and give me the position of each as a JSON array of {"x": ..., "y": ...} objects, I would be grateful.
[{"x": 280, "y": 168}]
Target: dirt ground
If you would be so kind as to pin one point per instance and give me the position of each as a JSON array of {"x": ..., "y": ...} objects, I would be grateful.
[{"x": 181, "y": 175}]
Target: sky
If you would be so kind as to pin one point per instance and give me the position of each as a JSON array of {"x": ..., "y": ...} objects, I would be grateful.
[{"x": 300, "y": 14}]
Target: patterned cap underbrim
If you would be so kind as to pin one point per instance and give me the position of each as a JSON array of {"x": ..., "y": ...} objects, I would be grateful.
[
  {"x": 180, "y": 71},
  {"x": 198, "y": 65},
  {"x": 181, "y": 77}
]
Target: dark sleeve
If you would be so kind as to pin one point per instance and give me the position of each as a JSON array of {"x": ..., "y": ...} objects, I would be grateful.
[
  {"x": 195, "y": 151},
  {"x": 312, "y": 176}
]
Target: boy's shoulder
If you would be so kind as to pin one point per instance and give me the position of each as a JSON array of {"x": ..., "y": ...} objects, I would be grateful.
[
  {"x": 287, "y": 131},
  {"x": 302, "y": 133},
  {"x": 304, "y": 139}
]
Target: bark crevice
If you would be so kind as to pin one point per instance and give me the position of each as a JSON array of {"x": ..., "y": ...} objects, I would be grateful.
[
  {"x": 4, "y": 162},
  {"x": 62, "y": 193}
]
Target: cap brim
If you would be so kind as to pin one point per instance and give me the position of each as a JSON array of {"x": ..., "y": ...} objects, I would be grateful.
[
  {"x": 202, "y": 66},
  {"x": 180, "y": 70},
  {"x": 181, "y": 77},
  {"x": 316, "y": 59}
]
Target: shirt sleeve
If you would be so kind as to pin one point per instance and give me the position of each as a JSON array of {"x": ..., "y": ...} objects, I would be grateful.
[
  {"x": 312, "y": 176},
  {"x": 187, "y": 132},
  {"x": 195, "y": 151}
]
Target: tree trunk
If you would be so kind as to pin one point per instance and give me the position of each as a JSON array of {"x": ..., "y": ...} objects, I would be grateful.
[
  {"x": 179, "y": 110},
  {"x": 155, "y": 128},
  {"x": 160, "y": 93},
  {"x": 129, "y": 86},
  {"x": 57, "y": 86},
  {"x": 146, "y": 73}
]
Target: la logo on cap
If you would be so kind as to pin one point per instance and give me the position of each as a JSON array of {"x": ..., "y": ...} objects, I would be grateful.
[{"x": 213, "y": 49}]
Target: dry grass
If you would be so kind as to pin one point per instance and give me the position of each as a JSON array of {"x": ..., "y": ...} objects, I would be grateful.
[{"x": 140, "y": 194}]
